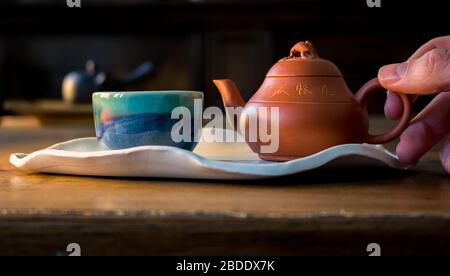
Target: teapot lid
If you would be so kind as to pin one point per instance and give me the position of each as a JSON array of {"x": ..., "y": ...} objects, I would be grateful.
[{"x": 304, "y": 61}]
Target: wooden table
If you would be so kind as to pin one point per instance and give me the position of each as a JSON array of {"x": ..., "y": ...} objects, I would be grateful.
[{"x": 330, "y": 212}]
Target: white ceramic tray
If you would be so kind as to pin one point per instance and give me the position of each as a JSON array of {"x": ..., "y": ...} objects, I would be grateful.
[{"x": 86, "y": 156}]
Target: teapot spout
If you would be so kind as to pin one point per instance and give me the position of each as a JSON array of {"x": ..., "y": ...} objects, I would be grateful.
[{"x": 231, "y": 97}]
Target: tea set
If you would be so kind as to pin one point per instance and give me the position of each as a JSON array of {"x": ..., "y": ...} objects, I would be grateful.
[
  {"x": 320, "y": 120},
  {"x": 316, "y": 109}
]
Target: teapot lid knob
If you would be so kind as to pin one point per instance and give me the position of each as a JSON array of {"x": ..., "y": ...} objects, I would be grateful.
[
  {"x": 303, "y": 61},
  {"x": 304, "y": 50}
]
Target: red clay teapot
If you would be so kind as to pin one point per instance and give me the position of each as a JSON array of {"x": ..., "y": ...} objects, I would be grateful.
[{"x": 316, "y": 108}]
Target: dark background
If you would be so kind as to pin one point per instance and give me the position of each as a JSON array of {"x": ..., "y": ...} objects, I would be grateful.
[{"x": 193, "y": 42}]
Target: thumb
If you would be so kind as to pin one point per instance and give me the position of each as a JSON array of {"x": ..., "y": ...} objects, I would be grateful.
[{"x": 428, "y": 74}]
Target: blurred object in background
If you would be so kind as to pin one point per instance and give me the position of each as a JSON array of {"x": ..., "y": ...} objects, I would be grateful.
[
  {"x": 78, "y": 86},
  {"x": 38, "y": 89},
  {"x": 44, "y": 61}
]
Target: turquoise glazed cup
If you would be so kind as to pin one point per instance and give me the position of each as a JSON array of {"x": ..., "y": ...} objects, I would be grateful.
[{"x": 132, "y": 119}]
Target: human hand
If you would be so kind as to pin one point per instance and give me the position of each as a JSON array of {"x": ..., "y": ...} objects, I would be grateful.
[{"x": 426, "y": 72}]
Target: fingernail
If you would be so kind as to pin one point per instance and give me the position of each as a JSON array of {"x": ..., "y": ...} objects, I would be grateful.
[{"x": 393, "y": 72}]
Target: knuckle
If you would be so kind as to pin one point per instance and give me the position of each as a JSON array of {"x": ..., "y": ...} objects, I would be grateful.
[
  {"x": 437, "y": 59},
  {"x": 438, "y": 68},
  {"x": 432, "y": 68}
]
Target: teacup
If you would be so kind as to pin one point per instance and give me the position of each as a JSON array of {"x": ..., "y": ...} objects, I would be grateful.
[{"x": 132, "y": 119}]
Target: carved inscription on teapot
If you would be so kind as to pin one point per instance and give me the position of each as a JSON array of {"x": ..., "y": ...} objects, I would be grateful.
[{"x": 305, "y": 89}]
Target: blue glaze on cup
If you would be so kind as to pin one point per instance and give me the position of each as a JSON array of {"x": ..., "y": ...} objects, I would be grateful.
[{"x": 131, "y": 119}]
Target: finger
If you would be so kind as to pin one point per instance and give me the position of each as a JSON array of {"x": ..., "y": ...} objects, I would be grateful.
[
  {"x": 429, "y": 74},
  {"x": 393, "y": 108},
  {"x": 445, "y": 156},
  {"x": 436, "y": 43},
  {"x": 428, "y": 128}
]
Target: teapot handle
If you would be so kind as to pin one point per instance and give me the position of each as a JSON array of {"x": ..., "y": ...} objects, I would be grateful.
[{"x": 362, "y": 96}]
